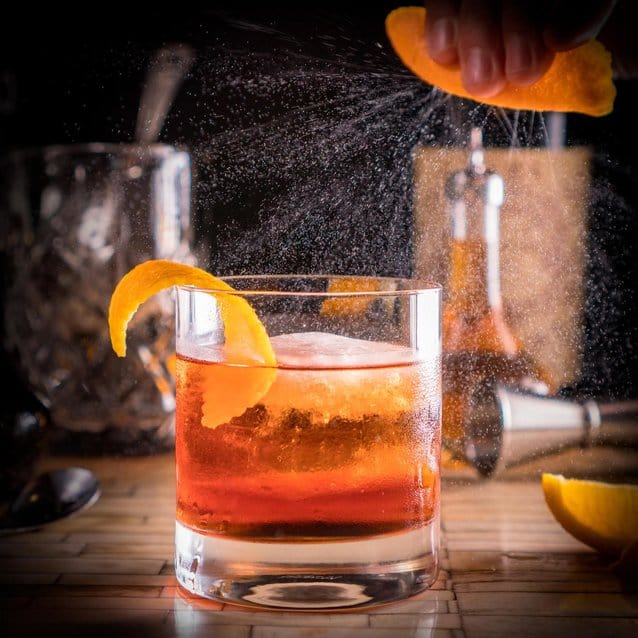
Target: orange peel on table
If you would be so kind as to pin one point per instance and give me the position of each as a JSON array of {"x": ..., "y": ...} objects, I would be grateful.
[
  {"x": 579, "y": 80},
  {"x": 601, "y": 515},
  {"x": 246, "y": 342}
]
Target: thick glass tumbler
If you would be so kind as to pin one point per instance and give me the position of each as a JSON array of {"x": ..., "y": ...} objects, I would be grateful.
[{"x": 313, "y": 483}]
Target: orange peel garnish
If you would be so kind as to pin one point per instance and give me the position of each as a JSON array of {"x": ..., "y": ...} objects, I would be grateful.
[
  {"x": 579, "y": 80},
  {"x": 246, "y": 342}
]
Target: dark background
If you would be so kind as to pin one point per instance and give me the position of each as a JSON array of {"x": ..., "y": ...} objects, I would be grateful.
[{"x": 76, "y": 76}]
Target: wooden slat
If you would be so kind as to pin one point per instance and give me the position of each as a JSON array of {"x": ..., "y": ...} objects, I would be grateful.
[
  {"x": 416, "y": 621},
  {"x": 337, "y": 632},
  {"x": 548, "y": 604},
  {"x": 132, "y": 549},
  {"x": 26, "y": 617},
  {"x": 118, "y": 580},
  {"x": 495, "y": 561},
  {"x": 44, "y": 550},
  {"x": 508, "y": 568},
  {"x": 236, "y": 615},
  {"x": 542, "y": 626},
  {"x": 120, "y": 565},
  {"x": 103, "y": 602}
]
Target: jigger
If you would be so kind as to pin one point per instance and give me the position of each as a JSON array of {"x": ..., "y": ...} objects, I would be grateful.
[{"x": 507, "y": 426}]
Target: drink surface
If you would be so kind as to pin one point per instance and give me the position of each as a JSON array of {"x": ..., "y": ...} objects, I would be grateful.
[{"x": 344, "y": 444}]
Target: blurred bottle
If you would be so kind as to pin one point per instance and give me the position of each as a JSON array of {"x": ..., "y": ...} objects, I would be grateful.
[{"x": 480, "y": 348}]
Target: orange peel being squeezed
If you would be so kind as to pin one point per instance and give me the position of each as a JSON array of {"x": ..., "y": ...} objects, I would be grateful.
[
  {"x": 246, "y": 342},
  {"x": 579, "y": 80}
]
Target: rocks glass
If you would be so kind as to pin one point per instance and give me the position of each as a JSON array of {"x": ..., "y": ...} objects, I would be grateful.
[{"x": 318, "y": 487}]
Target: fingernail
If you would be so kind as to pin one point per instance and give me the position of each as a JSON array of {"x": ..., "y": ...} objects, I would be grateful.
[
  {"x": 478, "y": 70},
  {"x": 442, "y": 38},
  {"x": 518, "y": 56}
]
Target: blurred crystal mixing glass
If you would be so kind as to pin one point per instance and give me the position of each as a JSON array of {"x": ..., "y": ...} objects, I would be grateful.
[{"x": 77, "y": 218}]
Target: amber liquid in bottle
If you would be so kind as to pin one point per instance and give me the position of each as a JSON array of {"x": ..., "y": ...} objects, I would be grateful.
[{"x": 479, "y": 346}]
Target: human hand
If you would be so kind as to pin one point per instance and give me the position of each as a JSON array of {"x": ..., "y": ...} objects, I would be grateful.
[{"x": 512, "y": 41}]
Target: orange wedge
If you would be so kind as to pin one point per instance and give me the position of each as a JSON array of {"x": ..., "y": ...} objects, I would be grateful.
[
  {"x": 246, "y": 342},
  {"x": 579, "y": 80},
  {"x": 601, "y": 515}
]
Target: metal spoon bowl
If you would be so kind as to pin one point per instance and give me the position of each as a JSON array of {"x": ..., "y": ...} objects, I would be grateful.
[{"x": 49, "y": 497}]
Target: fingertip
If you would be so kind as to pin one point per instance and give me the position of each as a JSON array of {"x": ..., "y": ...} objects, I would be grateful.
[
  {"x": 485, "y": 90},
  {"x": 526, "y": 60},
  {"x": 442, "y": 40},
  {"x": 481, "y": 73}
]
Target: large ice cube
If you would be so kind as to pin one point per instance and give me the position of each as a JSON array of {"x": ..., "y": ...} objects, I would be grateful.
[
  {"x": 334, "y": 376},
  {"x": 327, "y": 350}
]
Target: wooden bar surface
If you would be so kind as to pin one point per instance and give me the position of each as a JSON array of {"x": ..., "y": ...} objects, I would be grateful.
[{"x": 508, "y": 568}]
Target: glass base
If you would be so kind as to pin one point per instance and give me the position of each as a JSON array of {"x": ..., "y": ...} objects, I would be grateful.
[{"x": 326, "y": 575}]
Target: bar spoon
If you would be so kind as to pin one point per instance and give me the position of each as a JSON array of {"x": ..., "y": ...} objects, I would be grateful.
[{"x": 49, "y": 497}]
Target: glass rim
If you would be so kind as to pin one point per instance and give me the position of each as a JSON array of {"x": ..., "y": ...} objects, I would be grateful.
[
  {"x": 413, "y": 286},
  {"x": 158, "y": 149}
]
